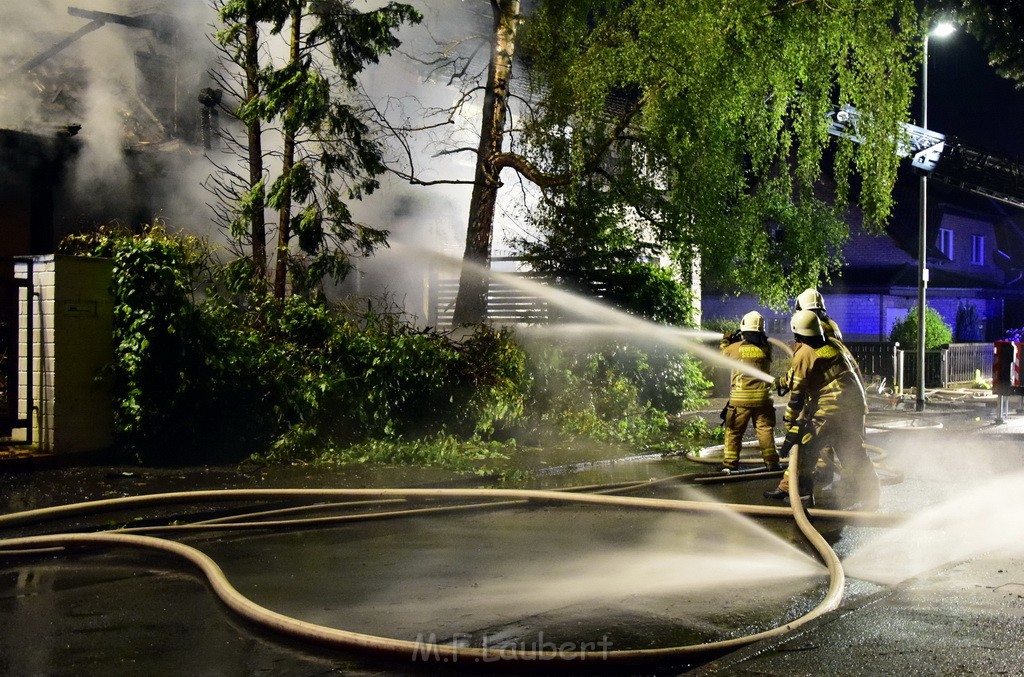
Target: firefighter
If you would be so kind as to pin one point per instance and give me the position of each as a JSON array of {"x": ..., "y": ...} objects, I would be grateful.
[
  {"x": 826, "y": 408},
  {"x": 750, "y": 399},
  {"x": 811, "y": 299}
]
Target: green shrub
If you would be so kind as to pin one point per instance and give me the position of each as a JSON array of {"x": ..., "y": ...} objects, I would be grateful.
[
  {"x": 937, "y": 332},
  {"x": 165, "y": 356},
  {"x": 618, "y": 395},
  {"x": 968, "y": 324},
  {"x": 210, "y": 368},
  {"x": 722, "y": 325}
]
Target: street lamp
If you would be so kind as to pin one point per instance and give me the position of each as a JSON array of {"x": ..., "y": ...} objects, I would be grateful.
[{"x": 940, "y": 30}]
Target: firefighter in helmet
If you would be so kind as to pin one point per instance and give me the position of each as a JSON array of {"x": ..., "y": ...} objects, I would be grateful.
[
  {"x": 750, "y": 399},
  {"x": 826, "y": 408},
  {"x": 812, "y": 300}
]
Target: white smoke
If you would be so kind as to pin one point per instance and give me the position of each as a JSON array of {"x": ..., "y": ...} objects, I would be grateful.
[
  {"x": 417, "y": 91},
  {"x": 128, "y": 91},
  {"x": 133, "y": 91}
]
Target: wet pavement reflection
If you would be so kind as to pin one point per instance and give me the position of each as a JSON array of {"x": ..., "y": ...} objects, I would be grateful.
[{"x": 510, "y": 576}]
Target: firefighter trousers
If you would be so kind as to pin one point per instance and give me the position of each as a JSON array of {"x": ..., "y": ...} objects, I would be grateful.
[{"x": 736, "y": 421}]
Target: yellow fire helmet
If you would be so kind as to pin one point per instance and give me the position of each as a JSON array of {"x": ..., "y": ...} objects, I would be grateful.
[
  {"x": 810, "y": 299},
  {"x": 806, "y": 323},
  {"x": 752, "y": 321}
]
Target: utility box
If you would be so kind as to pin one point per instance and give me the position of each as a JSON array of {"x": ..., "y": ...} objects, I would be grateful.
[
  {"x": 1006, "y": 363},
  {"x": 66, "y": 338}
]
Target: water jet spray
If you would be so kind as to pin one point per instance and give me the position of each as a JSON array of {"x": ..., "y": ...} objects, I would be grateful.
[{"x": 614, "y": 318}]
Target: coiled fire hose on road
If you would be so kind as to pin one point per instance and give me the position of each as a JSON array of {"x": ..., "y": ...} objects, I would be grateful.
[{"x": 403, "y": 649}]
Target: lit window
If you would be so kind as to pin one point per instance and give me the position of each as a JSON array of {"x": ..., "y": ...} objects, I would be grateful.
[
  {"x": 978, "y": 249},
  {"x": 946, "y": 242}
]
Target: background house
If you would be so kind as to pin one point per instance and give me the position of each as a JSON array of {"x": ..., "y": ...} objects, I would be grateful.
[{"x": 975, "y": 261}]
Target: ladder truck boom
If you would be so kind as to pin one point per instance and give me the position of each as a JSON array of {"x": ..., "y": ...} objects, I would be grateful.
[{"x": 946, "y": 159}]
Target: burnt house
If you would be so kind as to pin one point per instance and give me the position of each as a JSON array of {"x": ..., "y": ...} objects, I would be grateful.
[{"x": 101, "y": 115}]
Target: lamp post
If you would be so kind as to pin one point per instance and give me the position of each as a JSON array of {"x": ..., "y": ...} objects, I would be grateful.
[{"x": 941, "y": 30}]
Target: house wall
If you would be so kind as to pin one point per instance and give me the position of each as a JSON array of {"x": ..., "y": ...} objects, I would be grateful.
[
  {"x": 870, "y": 317},
  {"x": 964, "y": 228}
]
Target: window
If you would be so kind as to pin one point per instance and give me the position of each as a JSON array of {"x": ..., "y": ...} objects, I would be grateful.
[
  {"x": 946, "y": 242},
  {"x": 978, "y": 249}
]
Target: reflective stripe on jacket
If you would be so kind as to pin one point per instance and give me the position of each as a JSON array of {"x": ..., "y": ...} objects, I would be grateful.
[
  {"x": 820, "y": 380},
  {"x": 748, "y": 391}
]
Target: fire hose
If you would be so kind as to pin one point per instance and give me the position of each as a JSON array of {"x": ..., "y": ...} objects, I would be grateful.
[{"x": 324, "y": 636}]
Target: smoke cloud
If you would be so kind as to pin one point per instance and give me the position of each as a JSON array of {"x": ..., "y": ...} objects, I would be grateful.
[
  {"x": 133, "y": 91},
  {"x": 127, "y": 82}
]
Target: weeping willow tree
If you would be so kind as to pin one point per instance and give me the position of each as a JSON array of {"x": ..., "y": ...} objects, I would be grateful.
[{"x": 707, "y": 124}]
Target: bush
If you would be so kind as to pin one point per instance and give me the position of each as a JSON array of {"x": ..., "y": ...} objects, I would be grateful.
[
  {"x": 616, "y": 395},
  {"x": 968, "y": 324},
  {"x": 937, "y": 332},
  {"x": 210, "y": 368}
]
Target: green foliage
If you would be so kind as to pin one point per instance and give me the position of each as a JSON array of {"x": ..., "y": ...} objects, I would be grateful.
[
  {"x": 205, "y": 362},
  {"x": 718, "y": 136},
  {"x": 209, "y": 368},
  {"x": 163, "y": 359},
  {"x": 701, "y": 433},
  {"x": 335, "y": 158},
  {"x": 446, "y": 452},
  {"x": 937, "y": 332},
  {"x": 615, "y": 395},
  {"x": 589, "y": 244},
  {"x": 722, "y": 325}
]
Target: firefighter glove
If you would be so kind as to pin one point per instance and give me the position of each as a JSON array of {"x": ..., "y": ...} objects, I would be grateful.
[{"x": 792, "y": 439}]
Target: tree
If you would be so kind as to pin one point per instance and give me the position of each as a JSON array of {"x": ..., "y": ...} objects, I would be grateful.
[
  {"x": 242, "y": 200},
  {"x": 327, "y": 154},
  {"x": 592, "y": 244},
  {"x": 999, "y": 27},
  {"x": 471, "y": 302},
  {"x": 715, "y": 118}
]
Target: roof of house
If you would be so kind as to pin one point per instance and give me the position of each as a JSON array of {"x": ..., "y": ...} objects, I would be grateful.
[{"x": 877, "y": 261}]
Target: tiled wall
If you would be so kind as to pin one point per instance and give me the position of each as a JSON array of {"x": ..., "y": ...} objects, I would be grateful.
[
  {"x": 40, "y": 374},
  {"x": 71, "y": 341}
]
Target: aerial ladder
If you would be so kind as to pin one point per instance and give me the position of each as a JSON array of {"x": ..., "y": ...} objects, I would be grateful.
[{"x": 944, "y": 158}]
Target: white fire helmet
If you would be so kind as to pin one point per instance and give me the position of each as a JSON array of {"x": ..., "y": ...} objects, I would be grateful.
[
  {"x": 806, "y": 323},
  {"x": 752, "y": 321},
  {"x": 810, "y": 299}
]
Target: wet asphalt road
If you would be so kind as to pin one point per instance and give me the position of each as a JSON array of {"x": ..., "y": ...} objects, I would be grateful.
[{"x": 526, "y": 572}]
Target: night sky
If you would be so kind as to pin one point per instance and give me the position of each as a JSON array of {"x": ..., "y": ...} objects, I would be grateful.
[{"x": 967, "y": 99}]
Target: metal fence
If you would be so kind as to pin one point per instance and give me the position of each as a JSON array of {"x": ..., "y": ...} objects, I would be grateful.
[
  {"x": 955, "y": 363},
  {"x": 966, "y": 361}
]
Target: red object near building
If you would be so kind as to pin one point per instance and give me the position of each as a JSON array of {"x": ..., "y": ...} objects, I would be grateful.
[{"x": 1006, "y": 368}]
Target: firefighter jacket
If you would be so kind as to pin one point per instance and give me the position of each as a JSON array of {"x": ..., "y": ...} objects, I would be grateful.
[
  {"x": 746, "y": 390},
  {"x": 821, "y": 381},
  {"x": 830, "y": 329}
]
